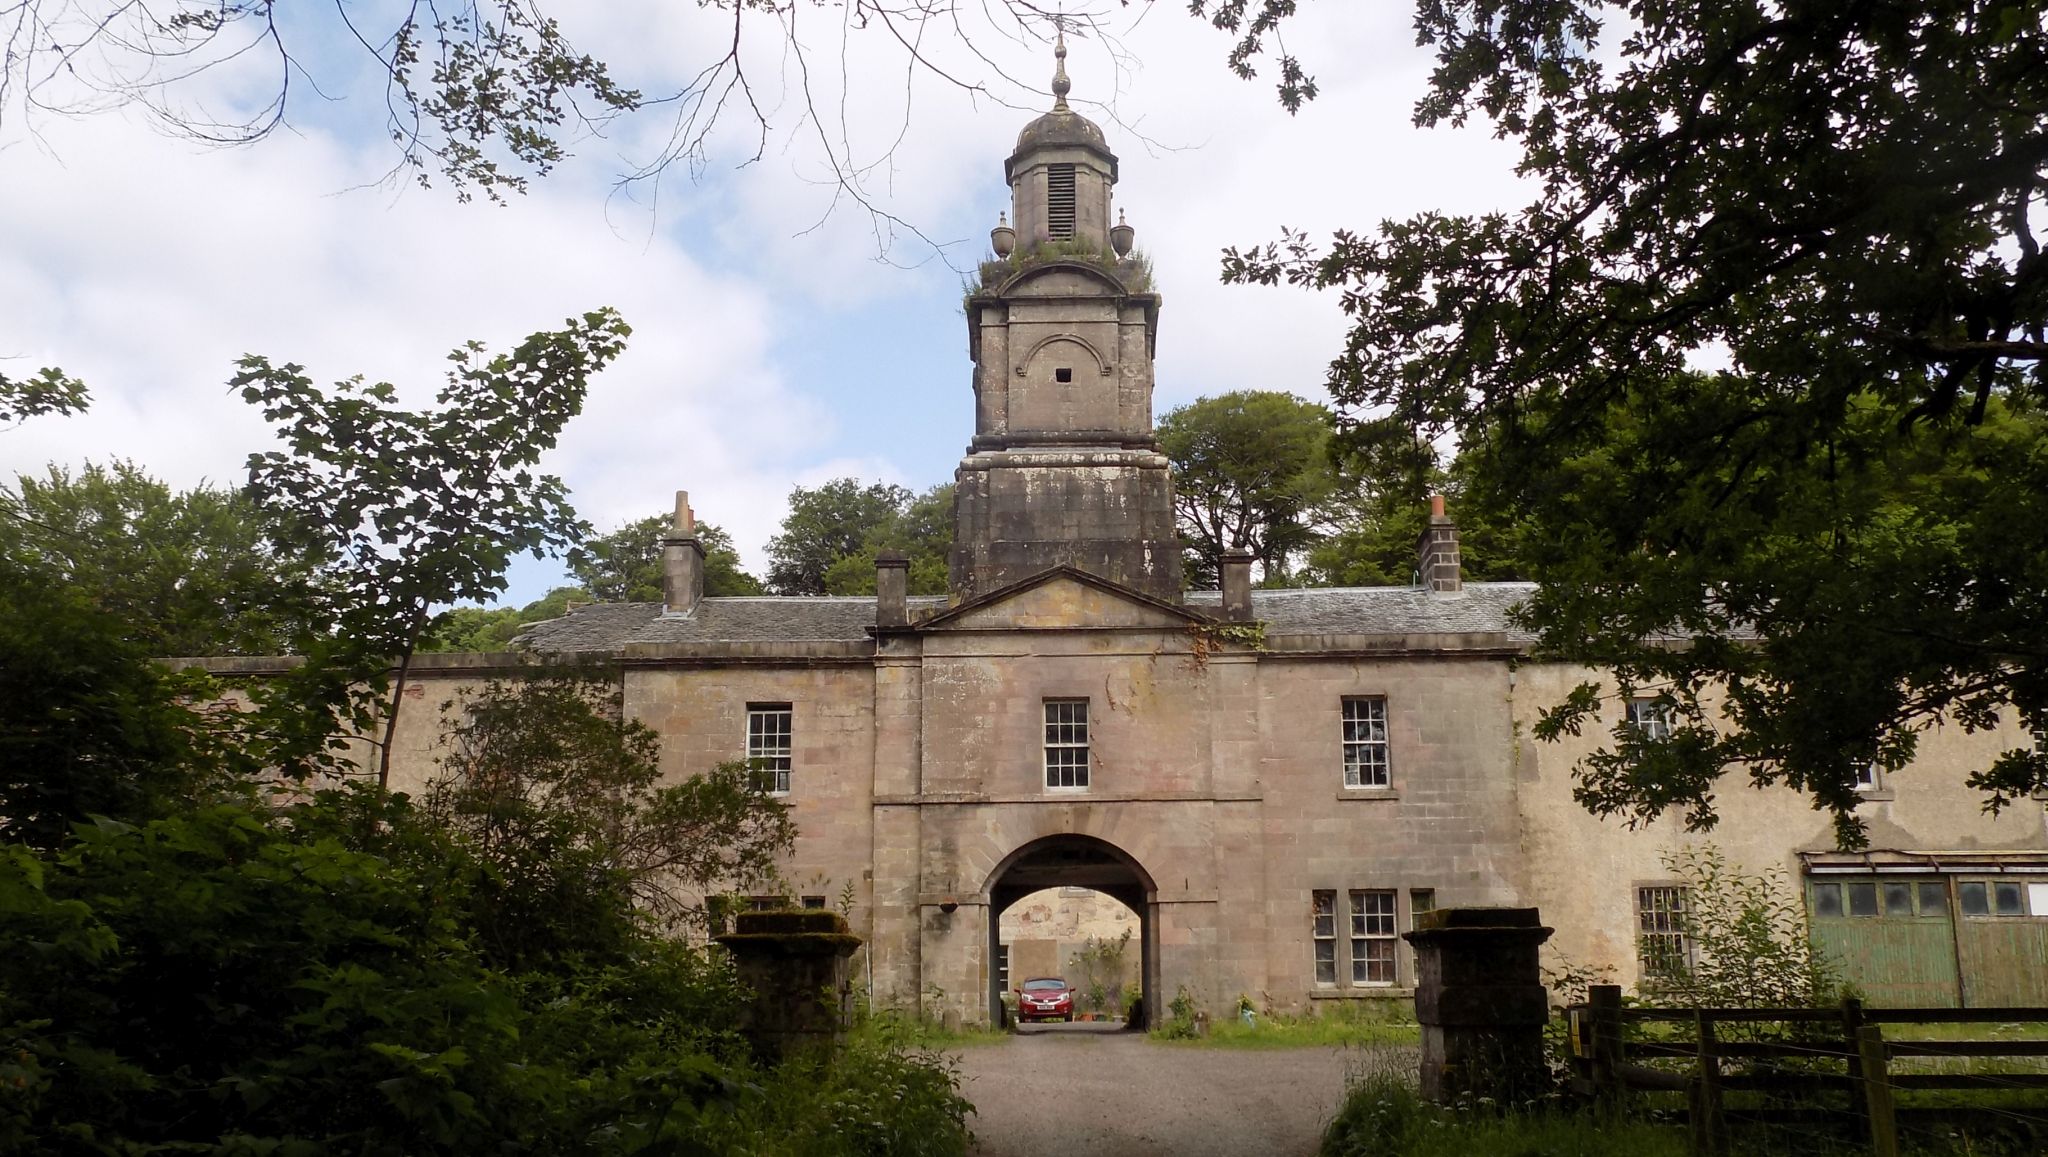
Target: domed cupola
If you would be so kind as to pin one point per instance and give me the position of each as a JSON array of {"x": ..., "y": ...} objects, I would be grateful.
[
  {"x": 1064, "y": 469},
  {"x": 1061, "y": 173}
]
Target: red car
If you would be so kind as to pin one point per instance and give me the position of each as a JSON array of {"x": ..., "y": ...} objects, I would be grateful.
[{"x": 1045, "y": 998}]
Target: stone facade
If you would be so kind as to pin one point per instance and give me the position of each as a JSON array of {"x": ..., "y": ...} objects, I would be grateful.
[{"x": 1275, "y": 814}]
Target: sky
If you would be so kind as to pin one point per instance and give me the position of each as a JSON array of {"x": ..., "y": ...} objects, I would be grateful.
[{"x": 780, "y": 338}]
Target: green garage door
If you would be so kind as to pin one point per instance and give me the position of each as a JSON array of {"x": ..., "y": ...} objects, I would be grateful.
[{"x": 1891, "y": 936}]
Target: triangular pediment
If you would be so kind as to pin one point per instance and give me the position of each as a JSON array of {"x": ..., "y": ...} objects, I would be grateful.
[{"x": 1063, "y": 599}]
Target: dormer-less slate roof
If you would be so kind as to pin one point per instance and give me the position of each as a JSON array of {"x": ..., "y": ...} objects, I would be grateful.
[{"x": 1481, "y": 608}]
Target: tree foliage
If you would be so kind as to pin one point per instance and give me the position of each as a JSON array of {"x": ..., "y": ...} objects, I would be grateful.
[
  {"x": 1751, "y": 943},
  {"x": 833, "y": 532},
  {"x": 188, "y": 967},
  {"x": 1251, "y": 469},
  {"x": 482, "y": 630},
  {"x": 87, "y": 726},
  {"x": 48, "y": 391},
  {"x": 420, "y": 508},
  {"x": 189, "y": 573},
  {"x": 560, "y": 796},
  {"x": 479, "y": 90},
  {"x": 1833, "y": 206},
  {"x": 1379, "y": 506},
  {"x": 625, "y": 565}
]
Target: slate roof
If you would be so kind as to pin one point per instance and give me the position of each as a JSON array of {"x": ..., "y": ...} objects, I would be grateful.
[{"x": 1481, "y": 608}]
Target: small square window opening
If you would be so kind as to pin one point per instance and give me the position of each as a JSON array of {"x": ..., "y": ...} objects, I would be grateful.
[
  {"x": 1063, "y": 375},
  {"x": 1827, "y": 899},
  {"x": 1975, "y": 898},
  {"x": 2008, "y": 899},
  {"x": 1934, "y": 899},
  {"x": 1651, "y": 718}
]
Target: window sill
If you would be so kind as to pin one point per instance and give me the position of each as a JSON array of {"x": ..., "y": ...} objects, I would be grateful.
[
  {"x": 1876, "y": 795},
  {"x": 1363, "y": 992},
  {"x": 1381, "y": 793}
]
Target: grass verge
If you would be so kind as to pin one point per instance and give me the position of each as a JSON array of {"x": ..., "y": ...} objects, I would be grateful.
[{"x": 1343, "y": 1027}]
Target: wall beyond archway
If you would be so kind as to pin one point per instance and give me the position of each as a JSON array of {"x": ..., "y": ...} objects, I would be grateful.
[{"x": 1076, "y": 861}]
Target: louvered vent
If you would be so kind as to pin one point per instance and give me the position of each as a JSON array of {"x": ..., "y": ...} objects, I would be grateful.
[{"x": 1059, "y": 202}]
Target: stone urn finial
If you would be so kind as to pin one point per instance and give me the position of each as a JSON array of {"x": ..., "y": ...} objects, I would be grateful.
[
  {"x": 1120, "y": 238},
  {"x": 1002, "y": 238}
]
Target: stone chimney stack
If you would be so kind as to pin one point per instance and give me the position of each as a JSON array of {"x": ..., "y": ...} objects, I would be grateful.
[
  {"x": 682, "y": 561},
  {"x": 1236, "y": 569},
  {"x": 1436, "y": 557},
  {"x": 892, "y": 587}
]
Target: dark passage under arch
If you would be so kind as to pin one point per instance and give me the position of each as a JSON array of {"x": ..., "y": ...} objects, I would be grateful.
[{"x": 1073, "y": 861}]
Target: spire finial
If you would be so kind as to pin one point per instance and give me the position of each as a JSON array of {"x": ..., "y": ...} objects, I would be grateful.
[{"x": 1061, "y": 86}]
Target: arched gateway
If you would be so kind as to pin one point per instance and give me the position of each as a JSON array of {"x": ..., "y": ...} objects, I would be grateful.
[{"x": 1074, "y": 861}]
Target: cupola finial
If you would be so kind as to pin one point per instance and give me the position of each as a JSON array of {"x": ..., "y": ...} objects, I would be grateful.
[{"x": 1061, "y": 86}]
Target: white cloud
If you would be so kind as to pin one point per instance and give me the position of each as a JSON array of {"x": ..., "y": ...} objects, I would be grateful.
[{"x": 146, "y": 265}]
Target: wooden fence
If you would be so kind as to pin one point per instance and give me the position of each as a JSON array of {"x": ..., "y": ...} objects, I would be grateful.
[{"x": 1606, "y": 1055}]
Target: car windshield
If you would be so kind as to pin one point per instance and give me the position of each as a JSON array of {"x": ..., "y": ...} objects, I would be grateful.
[{"x": 1044, "y": 985}]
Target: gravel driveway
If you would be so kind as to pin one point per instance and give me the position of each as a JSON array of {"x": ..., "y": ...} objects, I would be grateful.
[{"x": 1077, "y": 1091}]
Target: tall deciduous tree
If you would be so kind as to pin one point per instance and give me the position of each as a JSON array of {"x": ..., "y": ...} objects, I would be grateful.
[
  {"x": 826, "y": 524},
  {"x": 420, "y": 508},
  {"x": 1379, "y": 507},
  {"x": 1836, "y": 203},
  {"x": 191, "y": 573},
  {"x": 1250, "y": 469},
  {"x": 921, "y": 531},
  {"x": 625, "y": 565},
  {"x": 555, "y": 788}
]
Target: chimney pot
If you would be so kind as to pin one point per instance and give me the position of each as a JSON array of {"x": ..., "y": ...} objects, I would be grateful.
[{"x": 1236, "y": 569}]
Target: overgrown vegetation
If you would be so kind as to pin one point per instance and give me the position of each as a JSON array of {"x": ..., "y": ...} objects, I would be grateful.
[
  {"x": 1098, "y": 969},
  {"x": 1134, "y": 273},
  {"x": 1383, "y": 1116},
  {"x": 1341, "y": 1024},
  {"x": 1752, "y": 946},
  {"x": 201, "y": 953}
]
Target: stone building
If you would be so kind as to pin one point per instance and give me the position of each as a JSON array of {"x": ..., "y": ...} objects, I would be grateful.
[{"x": 1274, "y": 781}]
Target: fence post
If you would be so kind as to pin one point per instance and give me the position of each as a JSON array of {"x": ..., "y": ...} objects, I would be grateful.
[
  {"x": 1603, "y": 1007},
  {"x": 1877, "y": 1091},
  {"x": 1852, "y": 1027},
  {"x": 1709, "y": 1126}
]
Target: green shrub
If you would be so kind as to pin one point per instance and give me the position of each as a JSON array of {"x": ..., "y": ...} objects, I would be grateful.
[{"x": 1383, "y": 1116}]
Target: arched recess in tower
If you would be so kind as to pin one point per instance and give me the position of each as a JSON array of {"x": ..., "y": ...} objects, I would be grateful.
[{"x": 1067, "y": 862}]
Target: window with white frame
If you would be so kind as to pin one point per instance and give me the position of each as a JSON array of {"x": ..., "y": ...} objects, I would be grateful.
[
  {"x": 1372, "y": 937},
  {"x": 1365, "y": 743},
  {"x": 1869, "y": 777},
  {"x": 1323, "y": 920},
  {"x": 1066, "y": 743},
  {"x": 769, "y": 730},
  {"x": 1663, "y": 946},
  {"x": 1651, "y": 718}
]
